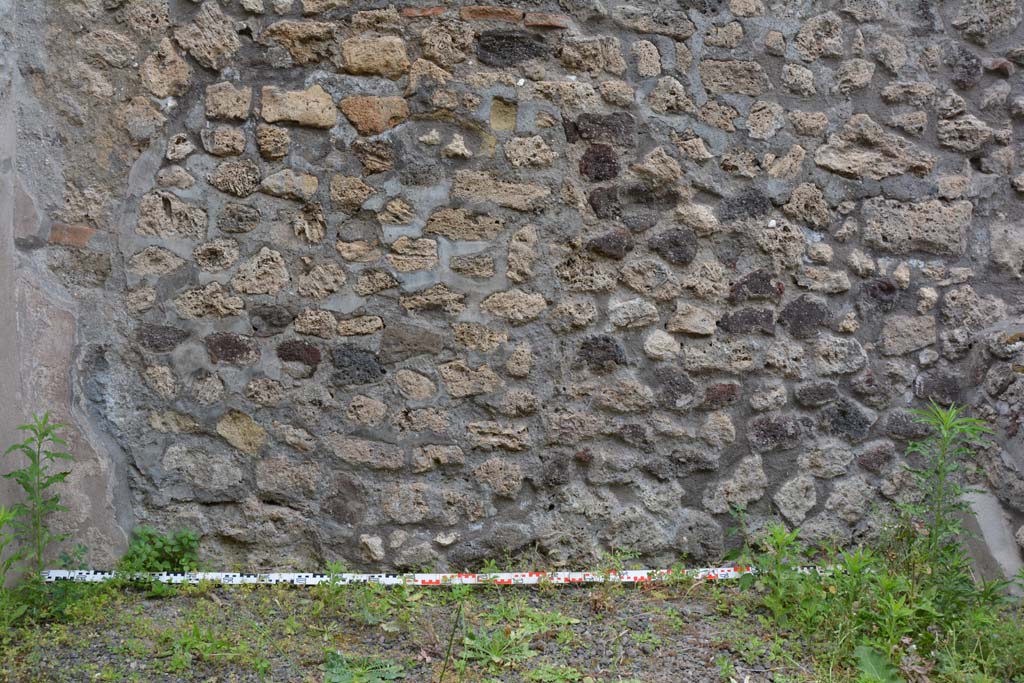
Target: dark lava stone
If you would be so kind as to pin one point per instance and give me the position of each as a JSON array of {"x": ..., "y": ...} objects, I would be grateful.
[
  {"x": 940, "y": 386},
  {"x": 999, "y": 378},
  {"x": 354, "y": 365},
  {"x": 804, "y": 316},
  {"x": 882, "y": 293},
  {"x": 159, "y": 338},
  {"x": 95, "y": 369},
  {"x": 345, "y": 502},
  {"x": 816, "y": 394},
  {"x": 720, "y": 395},
  {"x": 847, "y": 418},
  {"x": 677, "y": 246},
  {"x": 966, "y": 66},
  {"x": 605, "y": 203},
  {"x": 554, "y": 472},
  {"x": 401, "y": 340},
  {"x": 297, "y": 351},
  {"x": 602, "y": 353},
  {"x": 634, "y": 435},
  {"x": 615, "y": 243},
  {"x": 749, "y": 320},
  {"x": 904, "y": 425},
  {"x": 756, "y": 285},
  {"x": 599, "y": 163},
  {"x": 616, "y": 129},
  {"x": 660, "y": 467},
  {"x": 639, "y": 219},
  {"x": 511, "y": 536},
  {"x": 421, "y": 174},
  {"x": 697, "y": 459},
  {"x": 237, "y": 218},
  {"x": 228, "y": 347},
  {"x": 703, "y": 6},
  {"x": 699, "y": 538},
  {"x": 747, "y": 204},
  {"x": 872, "y": 388},
  {"x": 662, "y": 197},
  {"x": 675, "y": 389},
  {"x": 775, "y": 432},
  {"x": 876, "y": 455},
  {"x": 506, "y": 48},
  {"x": 270, "y": 319}
]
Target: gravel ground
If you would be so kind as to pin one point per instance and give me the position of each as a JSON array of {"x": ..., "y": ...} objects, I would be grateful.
[{"x": 511, "y": 634}]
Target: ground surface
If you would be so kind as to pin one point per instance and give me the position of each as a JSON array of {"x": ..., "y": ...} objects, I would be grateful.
[{"x": 583, "y": 634}]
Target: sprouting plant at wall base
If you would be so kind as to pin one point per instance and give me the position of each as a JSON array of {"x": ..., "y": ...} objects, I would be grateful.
[
  {"x": 7, "y": 557},
  {"x": 37, "y": 479},
  {"x": 151, "y": 551},
  {"x": 10, "y": 608},
  {"x": 931, "y": 529},
  {"x": 907, "y": 609}
]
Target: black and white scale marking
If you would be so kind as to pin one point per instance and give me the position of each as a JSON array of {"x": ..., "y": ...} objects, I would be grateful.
[{"x": 635, "y": 576}]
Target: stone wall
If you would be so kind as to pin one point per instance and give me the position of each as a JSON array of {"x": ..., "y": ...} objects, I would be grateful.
[{"x": 417, "y": 285}]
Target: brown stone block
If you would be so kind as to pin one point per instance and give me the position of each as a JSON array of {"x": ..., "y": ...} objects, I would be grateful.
[
  {"x": 70, "y": 235},
  {"x": 546, "y": 20},
  {"x": 416, "y": 12},
  {"x": 374, "y": 115},
  {"x": 491, "y": 13}
]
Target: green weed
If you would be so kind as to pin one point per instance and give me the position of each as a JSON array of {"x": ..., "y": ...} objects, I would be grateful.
[
  {"x": 36, "y": 479},
  {"x": 908, "y": 610},
  {"x": 151, "y": 551},
  {"x": 497, "y": 649},
  {"x": 11, "y": 608},
  {"x": 340, "y": 668},
  {"x": 549, "y": 673}
]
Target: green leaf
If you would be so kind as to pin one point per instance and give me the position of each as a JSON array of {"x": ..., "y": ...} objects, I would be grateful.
[{"x": 875, "y": 667}]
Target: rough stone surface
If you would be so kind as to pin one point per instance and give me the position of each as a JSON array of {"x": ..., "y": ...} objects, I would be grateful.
[
  {"x": 312, "y": 107},
  {"x": 864, "y": 149},
  {"x": 209, "y": 37},
  {"x": 375, "y": 56},
  {"x": 932, "y": 226},
  {"x": 410, "y": 277},
  {"x": 372, "y": 115}
]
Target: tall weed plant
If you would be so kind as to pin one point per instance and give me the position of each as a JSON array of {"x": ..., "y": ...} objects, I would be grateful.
[
  {"x": 908, "y": 609},
  {"x": 25, "y": 531},
  {"x": 37, "y": 478},
  {"x": 11, "y": 609}
]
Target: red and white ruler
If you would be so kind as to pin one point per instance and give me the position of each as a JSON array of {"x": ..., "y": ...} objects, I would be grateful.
[{"x": 500, "y": 578}]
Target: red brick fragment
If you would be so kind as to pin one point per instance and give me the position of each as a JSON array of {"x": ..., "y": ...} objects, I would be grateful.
[
  {"x": 491, "y": 13},
  {"x": 413, "y": 12},
  {"x": 70, "y": 235},
  {"x": 546, "y": 20}
]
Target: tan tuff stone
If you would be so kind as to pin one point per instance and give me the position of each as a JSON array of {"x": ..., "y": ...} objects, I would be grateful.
[
  {"x": 264, "y": 273},
  {"x": 865, "y": 149},
  {"x": 210, "y": 38},
  {"x": 312, "y": 107},
  {"x": 733, "y": 76},
  {"x": 374, "y": 115},
  {"x": 164, "y": 72},
  {"x": 482, "y": 187},
  {"x": 461, "y": 380},
  {"x": 290, "y": 185},
  {"x": 514, "y": 305},
  {"x": 459, "y": 224},
  {"x": 932, "y": 226},
  {"x": 375, "y": 56},
  {"x": 242, "y": 432},
  {"x": 225, "y": 100}
]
